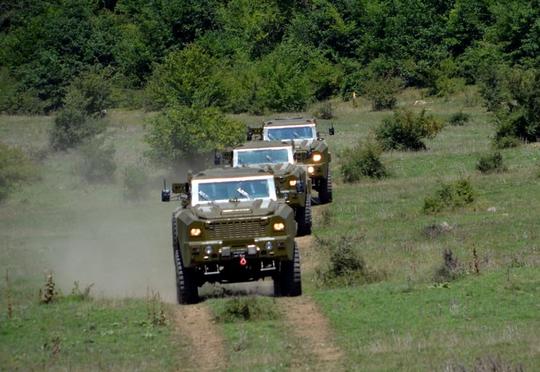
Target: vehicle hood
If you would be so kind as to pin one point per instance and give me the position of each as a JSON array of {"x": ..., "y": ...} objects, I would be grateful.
[{"x": 247, "y": 208}]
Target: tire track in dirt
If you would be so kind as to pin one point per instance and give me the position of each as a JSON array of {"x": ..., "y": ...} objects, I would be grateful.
[
  {"x": 308, "y": 324},
  {"x": 207, "y": 345}
]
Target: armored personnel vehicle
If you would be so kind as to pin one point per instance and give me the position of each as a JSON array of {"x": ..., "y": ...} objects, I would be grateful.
[
  {"x": 232, "y": 227},
  {"x": 292, "y": 182},
  {"x": 310, "y": 149}
]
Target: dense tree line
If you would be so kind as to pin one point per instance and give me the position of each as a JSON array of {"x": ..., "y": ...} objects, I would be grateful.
[{"x": 242, "y": 55}]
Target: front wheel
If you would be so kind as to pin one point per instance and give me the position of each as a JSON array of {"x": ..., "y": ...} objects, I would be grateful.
[
  {"x": 186, "y": 279},
  {"x": 287, "y": 281}
]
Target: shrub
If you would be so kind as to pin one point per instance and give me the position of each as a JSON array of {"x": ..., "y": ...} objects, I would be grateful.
[
  {"x": 135, "y": 183},
  {"x": 405, "y": 130},
  {"x": 450, "y": 268},
  {"x": 324, "y": 110},
  {"x": 247, "y": 309},
  {"x": 491, "y": 163},
  {"x": 459, "y": 118},
  {"x": 363, "y": 160},
  {"x": 450, "y": 196},
  {"x": 345, "y": 267},
  {"x": 15, "y": 168},
  {"x": 381, "y": 92},
  {"x": 97, "y": 160},
  {"x": 185, "y": 133}
]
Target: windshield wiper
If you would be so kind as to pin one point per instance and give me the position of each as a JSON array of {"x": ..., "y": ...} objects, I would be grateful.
[
  {"x": 204, "y": 195},
  {"x": 243, "y": 192}
]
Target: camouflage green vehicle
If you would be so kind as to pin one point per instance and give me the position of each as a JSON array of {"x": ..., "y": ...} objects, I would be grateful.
[
  {"x": 232, "y": 227},
  {"x": 310, "y": 149},
  {"x": 292, "y": 182}
]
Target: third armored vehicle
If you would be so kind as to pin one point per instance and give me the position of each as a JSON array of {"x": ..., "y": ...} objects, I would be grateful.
[
  {"x": 309, "y": 149},
  {"x": 232, "y": 227}
]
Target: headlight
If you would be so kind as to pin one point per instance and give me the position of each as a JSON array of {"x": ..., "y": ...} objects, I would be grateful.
[
  {"x": 310, "y": 169},
  {"x": 278, "y": 226},
  {"x": 195, "y": 231},
  {"x": 292, "y": 183},
  {"x": 317, "y": 157}
]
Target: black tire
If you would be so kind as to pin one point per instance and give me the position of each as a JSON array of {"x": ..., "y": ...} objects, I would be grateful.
[
  {"x": 288, "y": 281},
  {"x": 303, "y": 218},
  {"x": 325, "y": 189},
  {"x": 186, "y": 280}
]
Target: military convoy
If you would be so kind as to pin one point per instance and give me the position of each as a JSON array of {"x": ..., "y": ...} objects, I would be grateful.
[{"x": 238, "y": 223}]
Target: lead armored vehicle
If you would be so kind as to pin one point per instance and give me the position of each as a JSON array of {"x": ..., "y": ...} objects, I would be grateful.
[
  {"x": 292, "y": 182},
  {"x": 310, "y": 149},
  {"x": 232, "y": 227}
]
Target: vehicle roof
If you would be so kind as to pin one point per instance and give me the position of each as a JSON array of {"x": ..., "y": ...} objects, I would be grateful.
[
  {"x": 289, "y": 121},
  {"x": 262, "y": 145},
  {"x": 229, "y": 173}
]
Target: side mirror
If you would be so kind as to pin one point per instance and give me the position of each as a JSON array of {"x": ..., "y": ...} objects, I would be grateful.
[{"x": 165, "y": 195}]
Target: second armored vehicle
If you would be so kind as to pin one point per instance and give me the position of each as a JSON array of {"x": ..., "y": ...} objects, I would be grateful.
[{"x": 309, "y": 149}]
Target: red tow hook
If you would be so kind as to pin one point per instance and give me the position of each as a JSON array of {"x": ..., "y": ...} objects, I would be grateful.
[{"x": 243, "y": 261}]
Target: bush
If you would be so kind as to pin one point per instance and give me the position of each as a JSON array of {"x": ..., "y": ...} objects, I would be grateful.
[
  {"x": 405, "y": 130},
  {"x": 459, "y": 118},
  {"x": 135, "y": 183},
  {"x": 450, "y": 268},
  {"x": 381, "y": 92},
  {"x": 247, "y": 309},
  {"x": 324, "y": 110},
  {"x": 97, "y": 160},
  {"x": 491, "y": 163},
  {"x": 184, "y": 133},
  {"x": 450, "y": 196},
  {"x": 363, "y": 160},
  {"x": 15, "y": 168},
  {"x": 345, "y": 267}
]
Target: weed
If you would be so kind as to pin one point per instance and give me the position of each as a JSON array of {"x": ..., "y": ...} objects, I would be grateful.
[
  {"x": 363, "y": 160},
  {"x": 476, "y": 261},
  {"x": 8, "y": 297},
  {"x": 249, "y": 308},
  {"x": 382, "y": 92},
  {"x": 405, "y": 130},
  {"x": 155, "y": 310},
  {"x": 15, "y": 169},
  {"x": 437, "y": 229},
  {"x": 450, "y": 269},
  {"x": 78, "y": 294},
  {"x": 327, "y": 216},
  {"x": 48, "y": 293},
  {"x": 450, "y": 196},
  {"x": 491, "y": 163},
  {"x": 345, "y": 267},
  {"x": 459, "y": 118},
  {"x": 487, "y": 364}
]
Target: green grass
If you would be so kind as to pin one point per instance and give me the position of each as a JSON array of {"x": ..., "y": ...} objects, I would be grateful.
[
  {"x": 89, "y": 233},
  {"x": 390, "y": 327}
]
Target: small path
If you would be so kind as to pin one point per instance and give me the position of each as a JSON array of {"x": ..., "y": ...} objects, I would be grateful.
[
  {"x": 315, "y": 336},
  {"x": 207, "y": 346}
]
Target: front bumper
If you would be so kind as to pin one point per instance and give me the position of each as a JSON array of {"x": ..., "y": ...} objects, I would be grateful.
[{"x": 216, "y": 251}]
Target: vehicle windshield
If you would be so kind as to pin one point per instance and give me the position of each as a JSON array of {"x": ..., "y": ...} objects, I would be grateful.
[
  {"x": 217, "y": 190},
  {"x": 262, "y": 156},
  {"x": 290, "y": 133}
]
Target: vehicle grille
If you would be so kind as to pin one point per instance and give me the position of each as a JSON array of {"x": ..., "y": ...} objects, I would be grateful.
[{"x": 236, "y": 229}]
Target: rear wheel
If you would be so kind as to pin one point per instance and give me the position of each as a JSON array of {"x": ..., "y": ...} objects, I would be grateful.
[
  {"x": 303, "y": 218},
  {"x": 325, "y": 189},
  {"x": 186, "y": 280},
  {"x": 287, "y": 281}
]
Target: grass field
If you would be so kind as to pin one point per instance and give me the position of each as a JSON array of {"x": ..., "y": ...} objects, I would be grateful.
[{"x": 405, "y": 320}]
